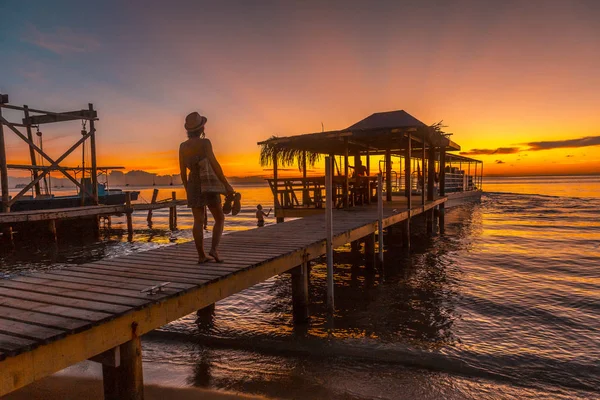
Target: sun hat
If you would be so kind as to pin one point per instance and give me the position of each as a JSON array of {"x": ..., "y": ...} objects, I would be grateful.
[{"x": 194, "y": 122}]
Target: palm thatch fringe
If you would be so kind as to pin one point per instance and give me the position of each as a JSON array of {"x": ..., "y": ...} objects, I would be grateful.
[{"x": 286, "y": 157}]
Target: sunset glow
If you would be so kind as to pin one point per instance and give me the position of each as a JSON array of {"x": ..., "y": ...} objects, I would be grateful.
[{"x": 501, "y": 76}]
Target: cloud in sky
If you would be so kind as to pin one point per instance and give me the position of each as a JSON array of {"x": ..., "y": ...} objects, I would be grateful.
[
  {"x": 537, "y": 146},
  {"x": 61, "y": 40},
  {"x": 499, "y": 150},
  {"x": 569, "y": 143}
]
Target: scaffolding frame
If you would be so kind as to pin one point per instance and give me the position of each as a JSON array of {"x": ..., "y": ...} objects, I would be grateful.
[{"x": 39, "y": 172}]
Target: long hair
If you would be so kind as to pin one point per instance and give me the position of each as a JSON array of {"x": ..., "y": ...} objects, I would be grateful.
[{"x": 196, "y": 134}]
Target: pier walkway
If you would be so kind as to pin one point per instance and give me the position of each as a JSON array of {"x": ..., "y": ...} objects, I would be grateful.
[{"x": 98, "y": 310}]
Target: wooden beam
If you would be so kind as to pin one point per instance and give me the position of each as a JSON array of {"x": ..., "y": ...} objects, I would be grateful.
[
  {"x": 3, "y": 168},
  {"x": 32, "y": 151},
  {"x": 53, "y": 164},
  {"x": 60, "y": 117}
]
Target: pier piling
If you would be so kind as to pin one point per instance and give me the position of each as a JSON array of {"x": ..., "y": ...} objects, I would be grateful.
[
  {"x": 126, "y": 381},
  {"x": 128, "y": 212},
  {"x": 153, "y": 201},
  {"x": 300, "y": 293}
]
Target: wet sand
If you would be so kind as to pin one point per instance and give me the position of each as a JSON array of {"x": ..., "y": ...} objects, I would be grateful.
[{"x": 81, "y": 388}]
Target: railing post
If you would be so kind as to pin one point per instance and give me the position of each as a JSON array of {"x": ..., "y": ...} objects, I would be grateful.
[
  {"x": 380, "y": 215},
  {"x": 329, "y": 232}
]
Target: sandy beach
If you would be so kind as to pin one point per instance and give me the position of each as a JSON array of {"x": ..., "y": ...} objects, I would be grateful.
[{"x": 81, "y": 388}]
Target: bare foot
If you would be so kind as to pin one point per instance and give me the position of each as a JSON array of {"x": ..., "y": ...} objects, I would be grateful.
[{"x": 213, "y": 253}]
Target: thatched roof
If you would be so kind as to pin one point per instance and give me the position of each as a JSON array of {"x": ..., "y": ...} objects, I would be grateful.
[
  {"x": 376, "y": 134},
  {"x": 389, "y": 119}
]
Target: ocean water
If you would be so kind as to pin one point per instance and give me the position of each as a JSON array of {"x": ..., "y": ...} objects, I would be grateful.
[{"x": 505, "y": 304}]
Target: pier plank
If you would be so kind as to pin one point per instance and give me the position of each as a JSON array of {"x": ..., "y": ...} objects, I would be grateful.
[
  {"x": 112, "y": 278},
  {"x": 38, "y": 318},
  {"x": 74, "y": 294},
  {"x": 29, "y": 331},
  {"x": 63, "y": 301},
  {"x": 11, "y": 345},
  {"x": 53, "y": 309}
]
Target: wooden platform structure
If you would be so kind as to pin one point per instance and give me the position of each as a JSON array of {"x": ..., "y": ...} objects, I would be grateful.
[
  {"x": 424, "y": 153},
  {"x": 99, "y": 310}
]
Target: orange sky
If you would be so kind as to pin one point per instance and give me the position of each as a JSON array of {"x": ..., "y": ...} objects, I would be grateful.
[{"x": 499, "y": 77}]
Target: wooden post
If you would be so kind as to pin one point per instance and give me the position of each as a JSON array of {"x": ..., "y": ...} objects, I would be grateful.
[
  {"x": 3, "y": 169},
  {"x": 52, "y": 230},
  {"x": 423, "y": 172},
  {"x": 480, "y": 187},
  {"x": 125, "y": 382},
  {"x": 407, "y": 191},
  {"x": 380, "y": 215},
  {"x": 305, "y": 195},
  {"x": 94, "y": 173},
  {"x": 31, "y": 150},
  {"x": 128, "y": 211},
  {"x": 300, "y": 293},
  {"x": 430, "y": 186},
  {"x": 346, "y": 177},
  {"x": 154, "y": 197},
  {"x": 442, "y": 186},
  {"x": 275, "y": 183},
  {"x": 329, "y": 231},
  {"x": 388, "y": 175}
]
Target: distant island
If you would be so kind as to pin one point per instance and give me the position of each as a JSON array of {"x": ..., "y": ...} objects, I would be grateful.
[{"x": 131, "y": 178}]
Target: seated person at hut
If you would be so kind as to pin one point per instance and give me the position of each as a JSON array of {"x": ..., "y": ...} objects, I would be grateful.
[
  {"x": 360, "y": 189},
  {"x": 359, "y": 169}
]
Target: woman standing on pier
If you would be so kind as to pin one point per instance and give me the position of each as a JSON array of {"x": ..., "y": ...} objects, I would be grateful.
[{"x": 196, "y": 154}]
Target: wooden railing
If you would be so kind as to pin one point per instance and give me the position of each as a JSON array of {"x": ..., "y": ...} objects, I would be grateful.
[{"x": 310, "y": 192}]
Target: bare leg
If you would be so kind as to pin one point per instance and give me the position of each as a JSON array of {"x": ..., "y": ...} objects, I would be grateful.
[
  {"x": 219, "y": 217},
  {"x": 198, "y": 232}
]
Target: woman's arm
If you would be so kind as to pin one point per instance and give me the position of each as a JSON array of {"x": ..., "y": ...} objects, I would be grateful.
[
  {"x": 216, "y": 166},
  {"x": 182, "y": 167}
]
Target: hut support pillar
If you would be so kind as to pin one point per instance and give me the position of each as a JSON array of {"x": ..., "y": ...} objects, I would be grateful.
[
  {"x": 388, "y": 175},
  {"x": 125, "y": 382},
  {"x": 275, "y": 187},
  {"x": 305, "y": 194},
  {"x": 430, "y": 186},
  {"x": 329, "y": 231},
  {"x": 407, "y": 192},
  {"x": 442, "y": 211},
  {"x": 300, "y": 293},
  {"x": 346, "y": 177}
]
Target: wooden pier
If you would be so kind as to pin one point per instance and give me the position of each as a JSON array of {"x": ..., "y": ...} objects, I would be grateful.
[{"x": 99, "y": 310}]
